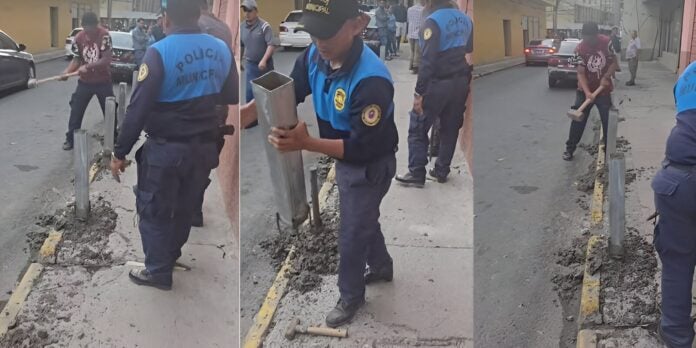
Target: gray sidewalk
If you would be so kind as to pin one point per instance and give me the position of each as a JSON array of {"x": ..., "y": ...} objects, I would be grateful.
[
  {"x": 429, "y": 233},
  {"x": 87, "y": 300}
]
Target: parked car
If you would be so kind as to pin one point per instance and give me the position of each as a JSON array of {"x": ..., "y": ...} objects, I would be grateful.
[
  {"x": 123, "y": 56},
  {"x": 370, "y": 35},
  {"x": 538, "y": 51},
  {"x": 563, "y": 64},
  {"x": 69, "y": 41},
  {"x": 16, "y": 65},
  {"x": 288, "y": 36}
]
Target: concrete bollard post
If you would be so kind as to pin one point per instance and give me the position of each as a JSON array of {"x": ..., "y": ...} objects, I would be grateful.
[
  {"x": 617, "y": 206},
  {"x": 612, "y": 133},
  {"x": 315, "y": 196},
  {"x": 81, "y": 153},
  {"x": 122, "y": 88},
  {"x": 109, "y": 126},
  {"x": 134, "y": 83}
]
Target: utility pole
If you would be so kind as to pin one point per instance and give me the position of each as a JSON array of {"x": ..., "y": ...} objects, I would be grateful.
[
  {"x": 109, "y": 6},
  {"x": 555, "y": 16}
]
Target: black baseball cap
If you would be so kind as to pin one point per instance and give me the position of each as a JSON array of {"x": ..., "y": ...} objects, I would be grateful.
[
  {"x": 590, "y": 28},
  {"x": 324, "y": 18}
]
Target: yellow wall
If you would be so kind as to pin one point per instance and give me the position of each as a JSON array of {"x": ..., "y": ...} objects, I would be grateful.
[
  {"x": 274, "y": 11},
  {"x": 28, "y": 22},
  {"x": 489, "y": 44}
]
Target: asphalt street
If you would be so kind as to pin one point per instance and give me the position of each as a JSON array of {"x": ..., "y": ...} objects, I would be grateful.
[
  {"x": 37, "y": 172},
  {"x": 257, "y": 203},
  {"x": 525, "y": 206}
]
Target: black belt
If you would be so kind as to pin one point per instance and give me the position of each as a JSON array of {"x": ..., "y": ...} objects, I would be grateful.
[
  {"x": 208, "y": 137},
  {"x": 683, "y": 167},
  {"x": 462, "y": 73}
]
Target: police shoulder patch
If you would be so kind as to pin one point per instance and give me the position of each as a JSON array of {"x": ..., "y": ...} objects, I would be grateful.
[
  {"x": 427, "y": 33},
  {"x": 142, "y": 73},
  {"x": 371, "y": 115},
  {"x": 340, "y": 99}
]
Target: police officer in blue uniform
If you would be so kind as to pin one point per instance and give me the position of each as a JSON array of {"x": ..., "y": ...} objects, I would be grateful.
[
  {"x": 441, "y": 92},
  {"x": 353, "y": 93},
  {"x": 675, "y": 233},
  {"x": 182, "y": 79}
]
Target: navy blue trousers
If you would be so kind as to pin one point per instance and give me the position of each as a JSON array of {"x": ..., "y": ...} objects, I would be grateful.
[
  {"x": 603, "y": 104},
  {"x": 448, "y": 107},
  {"x": 171, "y": 176},
  {"x": 675, "y": 243},
  {"x": 361, "y": 188},
  {"x": 80, "y": 100}
]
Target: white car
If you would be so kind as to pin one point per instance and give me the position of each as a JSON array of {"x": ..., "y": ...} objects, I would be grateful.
[
  {"x": 69, "y": 41},
  {"x": 288, "y": 36}
]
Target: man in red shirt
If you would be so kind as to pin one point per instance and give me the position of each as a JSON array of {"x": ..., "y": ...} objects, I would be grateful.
[
  {"x": 91, "y": 51},
  {"x": 596, "y": 67}
]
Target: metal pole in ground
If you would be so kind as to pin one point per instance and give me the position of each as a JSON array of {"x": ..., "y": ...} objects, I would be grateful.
[
  {"x": 122, "y": 87},
  {"x": 315, "y": 196},
  {"x": 617, "y": 206},
  {"x": 109, "y": 126},
  {"x": 612, "y": 130},
  {"x": 81, "y": 153}
]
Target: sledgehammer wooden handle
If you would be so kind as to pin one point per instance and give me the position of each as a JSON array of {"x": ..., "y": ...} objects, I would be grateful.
[
  {"x": 53, "y": 78},
  {"x": 325, "y": 331},
  {"x": 590, "y": 101}
]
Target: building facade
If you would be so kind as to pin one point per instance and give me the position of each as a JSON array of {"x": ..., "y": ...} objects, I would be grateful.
[
  {"x": 503, "y": 28},
  {"x": 42, "y": 25},
  {"x": 571, "y": 14}
]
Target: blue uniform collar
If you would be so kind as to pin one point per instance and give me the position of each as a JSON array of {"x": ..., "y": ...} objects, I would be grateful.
[{"x": 352, "y": 59}]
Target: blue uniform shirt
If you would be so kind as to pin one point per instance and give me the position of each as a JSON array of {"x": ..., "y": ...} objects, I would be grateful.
[
  {"x": 445, "y": 38},
  {"x": 182, "y": 78},
  {"x": 681, "y": 144},
  {"x": 354, "y": 103}
]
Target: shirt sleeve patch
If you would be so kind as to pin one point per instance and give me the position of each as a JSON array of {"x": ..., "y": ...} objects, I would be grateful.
[
  {"x": 427, "y": 33},
  {"x": 340, "y": 99},
  {"x": 371, "y": 115},
  {"x": 142, "y": 73}
]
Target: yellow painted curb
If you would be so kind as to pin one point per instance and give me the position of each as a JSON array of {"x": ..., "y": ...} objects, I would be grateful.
[
  {"x": 589, "y": 295},
  {"x": 14, "y": 305},
  {"x": 598, "y": 193},
  {"x": 262, "y": 320},
  {"x": 587, "y": 339},
  {"x": 47, "y": 253}
]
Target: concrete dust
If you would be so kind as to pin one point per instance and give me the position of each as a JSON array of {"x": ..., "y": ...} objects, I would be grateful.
[
  {"x": 323, "y": 167},
  {"x": 629, "y": 287},
  {"x": 591, "y": 149},
  {"x": 316, "y": 248},
  {"x": 586, "y": 182},
  {"x": 571, "y": 261},
  {"x": 634, "y": 337}
]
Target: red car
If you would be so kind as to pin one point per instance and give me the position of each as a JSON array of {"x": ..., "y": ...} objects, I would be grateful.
[{"x": 539, "y": 51}]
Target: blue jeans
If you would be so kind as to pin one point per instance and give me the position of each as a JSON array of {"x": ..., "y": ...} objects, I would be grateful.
[
  {"x": 391, "y": 42},
  {"x": 675, "y": 243},
  {"x": 603, "y": 104},
  {"x": 361, "y": 189},
  {"x": 252, "y": 72}
]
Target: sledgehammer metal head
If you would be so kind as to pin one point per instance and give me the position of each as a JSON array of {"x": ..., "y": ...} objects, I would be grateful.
[
  {"x": 576, "y": 115},
  {"x": 295, "y": 327}
]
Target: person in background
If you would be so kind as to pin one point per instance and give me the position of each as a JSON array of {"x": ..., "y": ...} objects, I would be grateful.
[
  {"x": 415, "y": 16},
  {"x": 257, "y": 46},
  {"x": 157, "y": 31},
  {"x": 140, "y": 41},
  {"x": 382, "y": 20},
  {"x": 391, "y": 38},
  {"x": 91, "y": 51},
  {"x": 401, "y": 18},
  {"x": 632, "y": 56}
]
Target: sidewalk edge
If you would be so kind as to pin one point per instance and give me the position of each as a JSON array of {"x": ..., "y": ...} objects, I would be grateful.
[
  {"x": 19, "y": 296},
  {"x": 597, "y": 209}
]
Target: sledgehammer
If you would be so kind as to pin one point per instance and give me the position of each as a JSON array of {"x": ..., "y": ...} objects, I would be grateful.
[
  {"x": 295, "y": 327},
  {"x": 33, "y": 83},
  {"x": 578, "y": 115}
]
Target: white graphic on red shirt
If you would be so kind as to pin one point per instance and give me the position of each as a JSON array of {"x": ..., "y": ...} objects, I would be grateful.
[
  {"x": 90, "y": 54},
  {"x": 596, "y": 63}
]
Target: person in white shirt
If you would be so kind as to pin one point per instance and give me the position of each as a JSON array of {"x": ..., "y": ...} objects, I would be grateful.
[
  {"x": 414, "y": 19},
  {"x": 632, "y": 57}
]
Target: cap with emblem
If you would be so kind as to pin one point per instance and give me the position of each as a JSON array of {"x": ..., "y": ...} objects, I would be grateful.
[
  {"x": 324, "y": 18},
  {"x": 249, "y": 4}
]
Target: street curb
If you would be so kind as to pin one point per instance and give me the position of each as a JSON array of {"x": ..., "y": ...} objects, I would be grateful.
[
  {"x": 587, "y": 339},
  {"x": 262, "y": 320},
  {"x": 589, "y": 294},
  {"x": 47, "y": 253},
  {"x": 20, "y": 294},
  {"x": 486, "y": 73},
  {"x": 93, "y": 171},
  {"x": 597, "y": 209}
]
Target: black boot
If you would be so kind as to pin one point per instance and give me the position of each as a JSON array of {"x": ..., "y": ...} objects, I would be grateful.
[
  {"x": 439, "y": 178},
  {"x": 67, "y": 146},
  {"x": 343, "y": 313},
  {"x": 142, "y": 277},
  {"x": 409, "y": 179},
  {"x": 568, "y": 156},
  {"x": 375, "y": 274}
]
